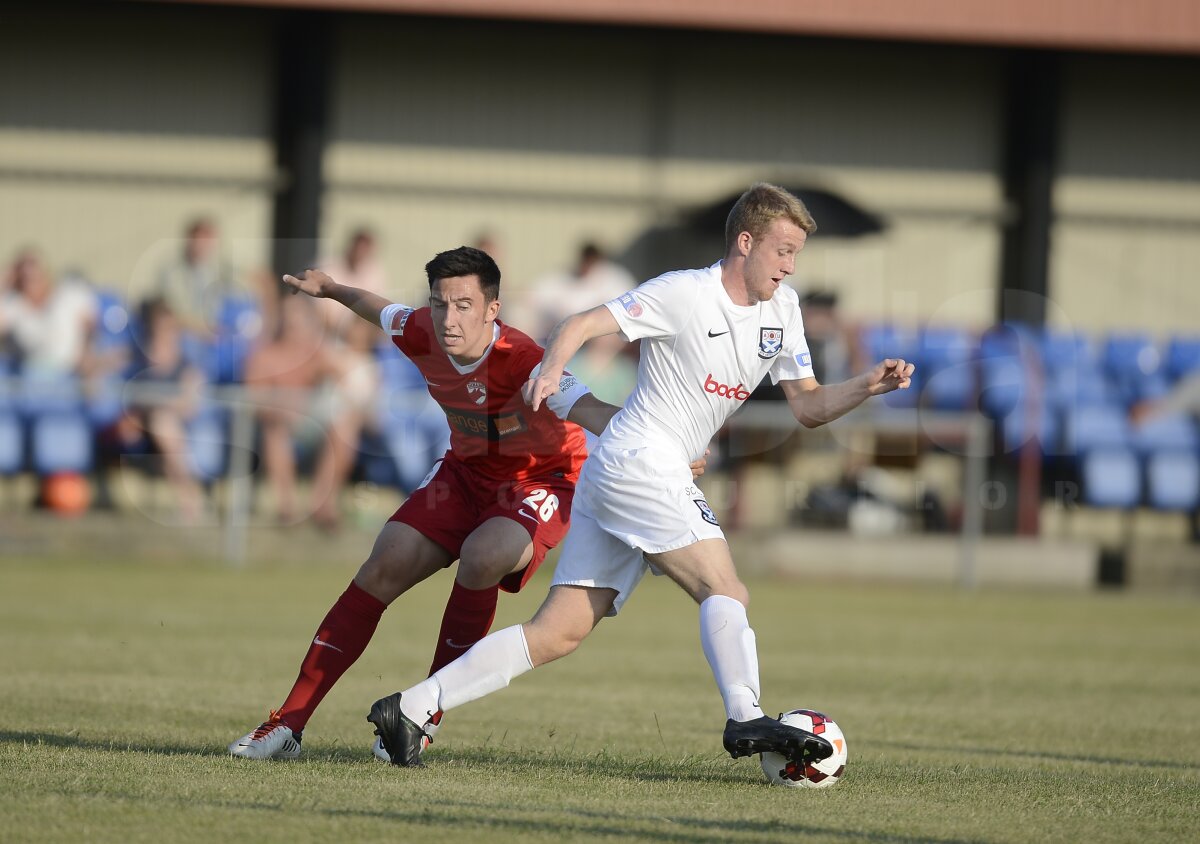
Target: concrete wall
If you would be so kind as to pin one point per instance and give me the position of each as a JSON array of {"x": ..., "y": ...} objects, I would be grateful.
[
  {"x": 1126, "y": 249},
  {"x": 549, "y": 141},
  {"x": 118, "y": 123}
]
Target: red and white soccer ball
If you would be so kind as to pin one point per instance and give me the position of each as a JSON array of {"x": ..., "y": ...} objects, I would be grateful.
[{"x": 823, "y": 774}]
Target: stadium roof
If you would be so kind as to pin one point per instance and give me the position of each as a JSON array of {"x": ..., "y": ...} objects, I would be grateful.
[{"x": 1167, "y": 26}]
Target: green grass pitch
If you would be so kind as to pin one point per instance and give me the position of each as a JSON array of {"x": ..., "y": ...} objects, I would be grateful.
[{"x": 988, "y": 717}]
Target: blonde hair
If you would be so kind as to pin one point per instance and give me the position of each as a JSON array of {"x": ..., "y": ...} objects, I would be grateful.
[{"x": 759, "y": 207}]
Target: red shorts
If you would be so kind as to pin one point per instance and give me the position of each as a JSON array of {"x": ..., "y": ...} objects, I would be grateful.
[{"x": 453, "y": 500}]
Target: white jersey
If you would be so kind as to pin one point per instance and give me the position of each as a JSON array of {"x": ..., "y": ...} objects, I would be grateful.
[{"x": 701, "y": 356}]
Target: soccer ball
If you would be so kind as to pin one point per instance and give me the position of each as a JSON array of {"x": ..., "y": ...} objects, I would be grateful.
[{"x": 820, "y": 775}]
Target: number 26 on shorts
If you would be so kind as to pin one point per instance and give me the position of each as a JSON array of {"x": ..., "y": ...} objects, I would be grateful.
[{"x": 541, "y": 503}]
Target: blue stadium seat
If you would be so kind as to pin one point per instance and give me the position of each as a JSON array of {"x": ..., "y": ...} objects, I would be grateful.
[
  {"x": 114, "y": 326},
  {"x": 1111, "y": 477},
  {"x": 207, "y": 440},
  {"x": 12, "y": 443},
  {"x": 200, "y": 353},
  {"x": 890, "y": 341},
  {"x": 950, "y": 388},
  {"x": 397, "y": 372},
  {"x": 8, "y": 384},
  {"x": 1010, "y": 366},
  {"x": 61, "y": 442},
  {"x": 1067, "y": 350},
  {"x": 105, "y": 402},
  {"x": 1173, "y": 480},
  {"x": 1183, "y": 357},
  {"x": 1176, "y": 432},
  {"x": 1083, "y": 387},
  {"x": 1134, "y": 352},
  {"x": 1004, "y": 385},
  {"x": 42, "y": 394},
  {"x": 239, "y": 323},
  {"x": 1102, "y": 426},
  {"x": 1018, "y": 429},
  {"x": 1135, "y": 366}
]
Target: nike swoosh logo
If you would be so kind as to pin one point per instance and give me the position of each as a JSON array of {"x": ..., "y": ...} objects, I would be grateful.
[
  {"x": 431, "y": 384},
  {"x": 456, "y": 645},
  {"x": 526, "y": 515},
  {"x": 718, "y": 334},
  {"x": 317, "y": 641}
]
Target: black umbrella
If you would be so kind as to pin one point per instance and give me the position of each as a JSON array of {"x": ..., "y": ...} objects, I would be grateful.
[
  {"x": 699, "y": 238},
  {"x": 835, "y": 215}
]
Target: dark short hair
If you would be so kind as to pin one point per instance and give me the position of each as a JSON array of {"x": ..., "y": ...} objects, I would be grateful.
[{"x": 466, "y": 260}]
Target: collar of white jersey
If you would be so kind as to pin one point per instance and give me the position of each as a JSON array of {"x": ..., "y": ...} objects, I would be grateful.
[
  {"x": 716, "y": 269},
  {"x": 471, "y": 367}
]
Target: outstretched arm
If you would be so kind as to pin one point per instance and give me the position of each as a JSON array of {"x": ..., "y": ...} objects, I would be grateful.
[
  {"x": 592, "y": 414},
  {"x": 815, "y": 404},
  {"x": 320, "y": 286},
  {"x": 564, "y": 341}
]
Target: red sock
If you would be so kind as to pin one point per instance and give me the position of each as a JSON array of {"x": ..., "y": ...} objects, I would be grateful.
[
  {"x": 340, "y": 640},
  {"x": 468, "y": 618}
]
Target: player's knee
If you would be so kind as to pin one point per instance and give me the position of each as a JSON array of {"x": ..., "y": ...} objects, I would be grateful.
[
  {"x": 481, "y": 565},
  {"x": 383, "y": 578},
  {"x": 548, "y": 642}
]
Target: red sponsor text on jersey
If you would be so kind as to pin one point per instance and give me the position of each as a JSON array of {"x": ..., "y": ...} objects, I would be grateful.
[
  {"x": 725, "y": 391},
  {"x": 491, "y": 428}
]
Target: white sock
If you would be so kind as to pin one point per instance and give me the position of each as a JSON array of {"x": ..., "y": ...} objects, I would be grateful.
[
  {"x": 488, "y": 666},
  {"x": 732, "y": 654}
]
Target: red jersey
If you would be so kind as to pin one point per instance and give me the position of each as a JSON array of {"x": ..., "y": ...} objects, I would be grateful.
[{"x": 492, "y": 430}]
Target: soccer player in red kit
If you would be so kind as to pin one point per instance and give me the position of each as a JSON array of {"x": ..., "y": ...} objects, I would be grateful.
[{"x": 497, "y": 501}]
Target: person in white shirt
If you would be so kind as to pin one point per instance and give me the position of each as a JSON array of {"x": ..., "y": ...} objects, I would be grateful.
[
  {"x": 593, "y": 280},
  {"x": 49, "y": 325},
  {"x": 708, "y": 337}
]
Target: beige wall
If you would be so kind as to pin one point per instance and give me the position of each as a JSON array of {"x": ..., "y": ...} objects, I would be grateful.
[
  {"x": 548, "y": 143},
  {"x": 116, "y": 130},
  {"x": 118, "y": 127},
  {"x": 1127, "y": 244}
]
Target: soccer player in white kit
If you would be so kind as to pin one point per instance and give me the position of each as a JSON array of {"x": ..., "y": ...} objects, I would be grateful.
[{"x": 708, "y": 337}]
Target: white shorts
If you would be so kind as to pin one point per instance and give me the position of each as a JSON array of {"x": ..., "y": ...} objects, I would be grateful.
[{"x": 628, "y": 503}]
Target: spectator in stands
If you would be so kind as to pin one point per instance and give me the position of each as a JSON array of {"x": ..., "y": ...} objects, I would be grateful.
[
  {"x": 349, "y": 399},
  {"x": 194, "y": 283},
  {"x": 46, "y": 327},
  {"x": 359, "y": 265},
  {"x": 831, "y": 342},
  {"x": 296, "y": 365},
  {"x": 593, "y": 281},
  {"x": 601, "y": 365},
  {"x": 488, "y": 242},
  {"x": 162, "y": 394}
]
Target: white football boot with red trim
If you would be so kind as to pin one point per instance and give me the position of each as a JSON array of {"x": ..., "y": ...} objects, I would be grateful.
[{"x": 272, "y": 739}]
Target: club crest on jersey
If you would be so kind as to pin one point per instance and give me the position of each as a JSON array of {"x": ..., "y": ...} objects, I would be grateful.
[
  {"x": 770, "y": 341},
  {"x": 630, "y": 303},
  {"x": 706, "y": 512},
  {"x": 477, "y": 388}
]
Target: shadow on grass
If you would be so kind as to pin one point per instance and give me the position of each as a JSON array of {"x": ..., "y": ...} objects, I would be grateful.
[
  {"x": 55, "y": 740},
  {"x": 648, "y": 769},
  {"x": 1037, "y": 754},
  {"x": 567, "y": 823}
]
